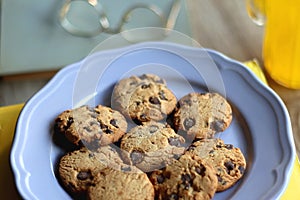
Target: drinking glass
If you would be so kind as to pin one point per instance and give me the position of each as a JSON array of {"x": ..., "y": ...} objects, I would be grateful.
[{"x": 281, "y": 46}]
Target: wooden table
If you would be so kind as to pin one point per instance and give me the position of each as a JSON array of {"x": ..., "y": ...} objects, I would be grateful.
[{"x": 220, "y": 25}]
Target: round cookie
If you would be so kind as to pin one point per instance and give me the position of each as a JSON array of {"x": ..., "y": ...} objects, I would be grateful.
[
  {"x": 78, "y": 169},
  {"x": 227, "y": 160},
  {"x": 143, "y": 98},
  {"x": 151, "y": 146},
  {"x": 201, "y": 115},
  {"x": 92, "y": 127},
  {"x": 187, "y": 178},
  {"x": 115, "y": 184}
]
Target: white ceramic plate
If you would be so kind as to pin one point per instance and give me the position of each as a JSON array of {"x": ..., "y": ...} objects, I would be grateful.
[{"x": 260, "y": 127}]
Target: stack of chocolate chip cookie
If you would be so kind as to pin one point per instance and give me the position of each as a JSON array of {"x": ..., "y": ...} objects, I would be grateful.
[{"x": 148, "y": 145}]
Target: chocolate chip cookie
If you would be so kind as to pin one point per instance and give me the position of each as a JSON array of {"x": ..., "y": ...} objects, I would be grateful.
[
  {"x": 151, "y": 146},
  {"x": 201, "y": 115},
  {"x": 227, "y": 160},
  {"x": 143, "y": 98},
  {"x": 78, "y": 169},
  {"x": 91, "y": 127},
  {"x": 115, "y": 184},
  {"x": 187, "y": 178}
]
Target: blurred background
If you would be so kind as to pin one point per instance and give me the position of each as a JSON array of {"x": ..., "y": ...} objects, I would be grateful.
[
  {"x": 37, "y": 39},
  {"x": 34, "y": 45}
]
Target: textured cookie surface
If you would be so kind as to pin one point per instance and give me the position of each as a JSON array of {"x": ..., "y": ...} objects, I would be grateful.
[
  {"x": 123, "y": 185},
  {"x": 91, "y": 127},
  {"x": 201, "y": 115},
  {"x": 151, "y": 146},
  {"x": 143, "y": 98},
  {"x": 187, "y": 178},
  {"x": 78, "y": 169},
  {"x": 227, "y": 160}
]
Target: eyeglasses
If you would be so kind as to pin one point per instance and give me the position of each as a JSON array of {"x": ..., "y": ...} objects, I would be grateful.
[{"x": 73, "y": 19}]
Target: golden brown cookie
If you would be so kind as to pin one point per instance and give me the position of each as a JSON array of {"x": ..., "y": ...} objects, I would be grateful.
[
  {"x": 78, "y": 169},
  {"x": 151, "y": 146},
  {"x": 115, "y": 184},
  {"x": 143, "y": 98},
  {"x": 187, "y": 178},
  {"x": 201, "y": 115},
  {"x": 91, "y": 127},
  {"x": 227, "y": 160}
]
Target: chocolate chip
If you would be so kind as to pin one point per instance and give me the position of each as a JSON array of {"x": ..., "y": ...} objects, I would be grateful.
[
  {"x": 142, "y": 77},
  {"x": 229, "y": 146},
  {"x": 145, "y": 86},
  {"x": 229, "y": 166},
  {"x": 143, "y": 117},
  {"x": 186, "y": 178},
  {"x": 105, "y": 128},
  {"x": 92, "y": 123},
  {"x": 83, "y": 175},
  {"x": 136, "y": 157},
  {"x": 221, "y": 180},
  {"x": 192, "y": 148},
  {"x": 70, "y": 122},
  {"x": 88, "y": 129},
  {"x": 217, "y": 125},
  {"x": 91, "y": 155},
  {"x": 154, "y": 100},
  {"x": 174, "y": 141},
  {"x": 242, "y": 169},
  {"x": 188, "y": 102},
  {"x": 57, "y": 120},
  {"x": 167, "y": 174},
  {"x": 153, "y": 128},
  {"x": 201, "y": 170},
  {"x": 189, "y": 123},
  {"x": 186, "y": 181},
  {"x": 162, "y": 95},
  {"x": 126, "y": 169},
  {"x": 108, "y": 131},
  {"x": 207, "y": 124},
  {"x": 160, "y": 178},
  {"x": 114, "y": 123},
  {"x": 94, "y": 115}
]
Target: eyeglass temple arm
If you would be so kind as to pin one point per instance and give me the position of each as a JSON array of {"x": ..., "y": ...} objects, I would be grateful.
[{"x": 169, "y": 22}]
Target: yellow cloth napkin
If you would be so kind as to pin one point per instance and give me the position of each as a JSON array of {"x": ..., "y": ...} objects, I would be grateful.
[
  {"x": 8, "y": 118},
  {"x": 292, "y": 191},
  {"x": 254, "y": 66}
]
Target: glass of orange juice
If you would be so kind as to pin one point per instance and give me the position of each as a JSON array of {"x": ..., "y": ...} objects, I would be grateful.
[{"x": 281, "y": 47}]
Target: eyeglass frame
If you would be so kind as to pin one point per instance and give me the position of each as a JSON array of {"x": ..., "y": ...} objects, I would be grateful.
[{"x": 167, "y": 23}]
